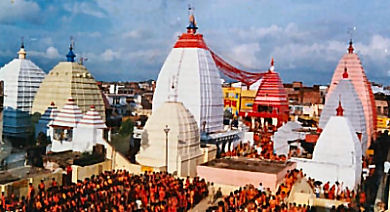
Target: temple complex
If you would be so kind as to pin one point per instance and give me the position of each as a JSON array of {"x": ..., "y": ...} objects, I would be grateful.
[
  {"x": 69, "y": 79},
  {"x": 356, "y": 74},
  {"x": 21, "y": 81}
]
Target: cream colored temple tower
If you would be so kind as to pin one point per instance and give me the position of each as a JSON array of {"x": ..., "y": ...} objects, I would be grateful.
[
  {"x": 170, "y": 139},
  {"x": 69, "y": 79}
]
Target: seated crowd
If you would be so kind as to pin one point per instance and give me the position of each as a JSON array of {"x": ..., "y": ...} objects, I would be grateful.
[
  {"x": 250, "y": 198},
  {"x": 113, "y": 191}
]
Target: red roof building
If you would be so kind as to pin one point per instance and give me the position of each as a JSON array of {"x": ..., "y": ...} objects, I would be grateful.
[{"x": 271, "y": 101}]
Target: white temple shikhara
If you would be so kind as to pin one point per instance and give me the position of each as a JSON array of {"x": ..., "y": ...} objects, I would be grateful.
[
  {"x": 171, "y": 139},
  {"x": 337, "y": 156},
  {"x": 196, "y": 76},
  {"x": 22, "y": 79},
  {"x": 353, "y": 108},
  {"x": 63, "y": 125},
  {"x": 89, "y": 131}
]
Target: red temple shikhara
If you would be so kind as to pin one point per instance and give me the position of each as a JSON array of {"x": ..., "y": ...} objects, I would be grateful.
[{"x": 270, "y": 106}]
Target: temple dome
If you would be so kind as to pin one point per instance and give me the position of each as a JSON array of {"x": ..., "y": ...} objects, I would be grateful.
[
  {"x": 362, "y": 86},
  {"x": 191, "y": 67},
  {"x": 183, "y": 139},
  {"x": 22, "y": 79},
  {"x": 353, "y": 108},
  {"x": 69, "y": 79}
]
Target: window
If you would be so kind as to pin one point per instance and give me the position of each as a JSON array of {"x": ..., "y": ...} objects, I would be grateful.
[
  {"x": 63, "y": 134},
  {"x": 262, "y": 108}
]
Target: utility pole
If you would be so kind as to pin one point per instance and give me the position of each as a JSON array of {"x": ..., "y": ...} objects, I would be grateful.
[{"x": 166, "y": 130}]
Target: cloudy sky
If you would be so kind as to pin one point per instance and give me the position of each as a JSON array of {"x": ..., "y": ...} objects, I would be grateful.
[{"x": 130, "y": 39}]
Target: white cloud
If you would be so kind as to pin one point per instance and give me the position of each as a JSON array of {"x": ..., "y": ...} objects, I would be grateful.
[
  {"x": 50, "y": 53},
  {"x": 132, "y": 34},
  {"x": 376, "y": 49},
  {"x": 246, "y": 54},
  {"x": 11, "y": 11},
  {"x": 110, "y": 55},
  {"x": 84, "y": 8}
]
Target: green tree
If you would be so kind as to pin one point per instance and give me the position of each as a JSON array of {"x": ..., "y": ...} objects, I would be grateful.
[
  {"x": 35, "y": 117},
  {"x": 42, "y": 139},
  {"x": 126, "y": 128}
]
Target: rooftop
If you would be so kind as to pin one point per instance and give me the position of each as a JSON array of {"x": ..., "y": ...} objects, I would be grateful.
[
  {"x": 15, "y": 174},
  {"x": 249, "y": 164}
]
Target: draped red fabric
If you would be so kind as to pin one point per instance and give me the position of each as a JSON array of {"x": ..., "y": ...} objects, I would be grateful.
[
  {"x": 191, "y": 40},
  {"x": 248, "y": 78}
]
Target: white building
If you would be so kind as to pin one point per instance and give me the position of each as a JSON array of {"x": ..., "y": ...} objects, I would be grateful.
[
  {"x": 89, "y": 132},
  {"x": 63, "y": 125},
  {"x": 73, "y": 131},
  {"x": 190, "y": 66},
  {"x": 337, "y": 155},
  {"x": 22, "y": 79},
  {"x": 286, "y": 133}
]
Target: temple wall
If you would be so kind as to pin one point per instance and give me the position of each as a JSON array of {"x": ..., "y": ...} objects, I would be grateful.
[
  {"x": 308, "y": 199},
  {"x": 82, "y": 172},
  {"x": 58, "y": 146},
  {"x": 209, "y": 153},
  {"x": 242, "y": 178},
  {"x": 328, "y": 172},
  {"x": 20, "y": 187}
]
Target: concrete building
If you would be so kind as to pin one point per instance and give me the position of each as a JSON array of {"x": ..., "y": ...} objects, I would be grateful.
[
  {"x": 63, "y": 125},
  {"x": 287, "y": 132}
]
